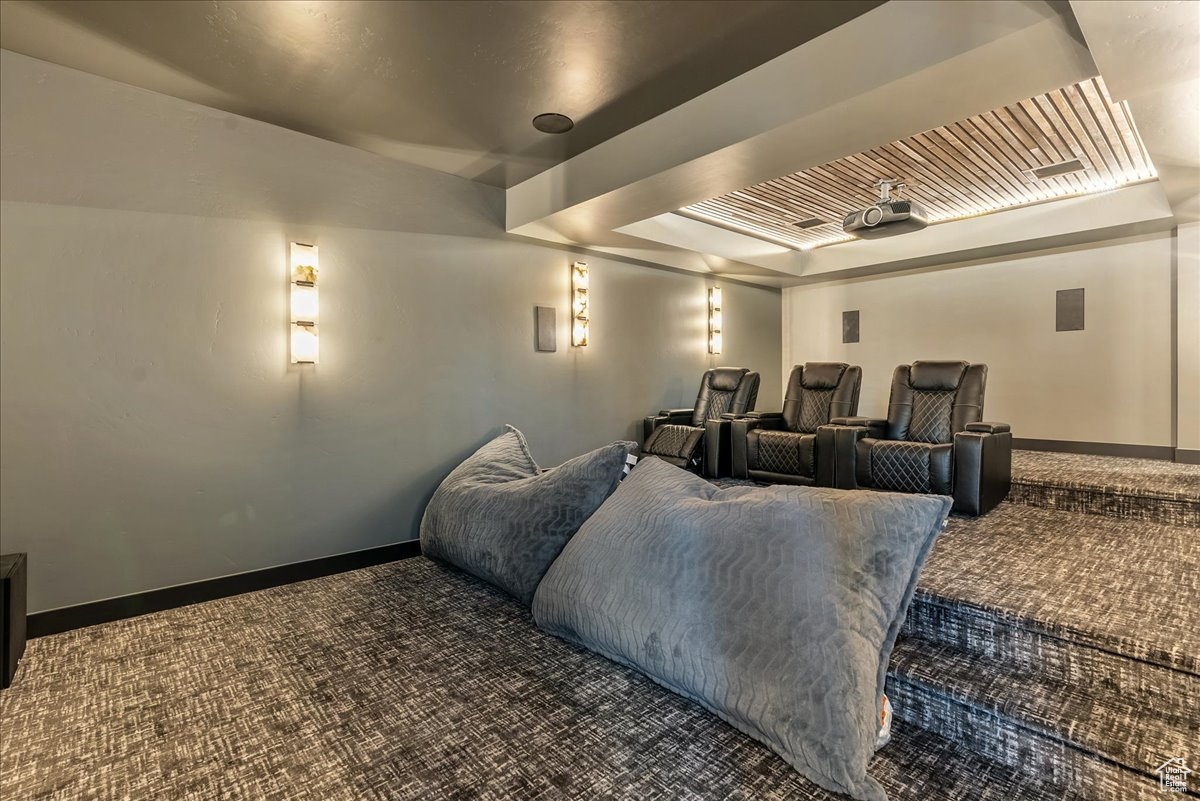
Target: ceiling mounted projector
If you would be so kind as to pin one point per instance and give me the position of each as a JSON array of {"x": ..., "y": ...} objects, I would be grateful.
[{"x": 888, "y": 217}]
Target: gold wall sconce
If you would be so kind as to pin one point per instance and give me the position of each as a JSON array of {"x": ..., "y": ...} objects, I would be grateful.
[
  {"x": 580, "y": 307},
  {"x": 714, "y": 319},
  {"x": 305, "y": 304}
]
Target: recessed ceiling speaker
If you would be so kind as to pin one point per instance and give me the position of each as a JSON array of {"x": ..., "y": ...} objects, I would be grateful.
[
  {"x": 888, "y": 217},
  {"x": 553, "y": 123},
  {"x": 1061, "y": 168}
]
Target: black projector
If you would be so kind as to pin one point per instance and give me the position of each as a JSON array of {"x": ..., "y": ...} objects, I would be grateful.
[{"x": 886, "y": 218}]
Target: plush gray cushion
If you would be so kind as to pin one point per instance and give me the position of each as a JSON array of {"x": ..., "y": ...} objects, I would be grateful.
[
  {"x": 774, "y": 607},
  {"x": 498, "y": 516}
]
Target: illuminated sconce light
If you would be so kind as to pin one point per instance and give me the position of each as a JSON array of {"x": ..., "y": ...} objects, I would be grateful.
[
  {"x": 714, "y": 319},
  {"x": 580, "y": 308},
  {"x": 305, "y": 305}
]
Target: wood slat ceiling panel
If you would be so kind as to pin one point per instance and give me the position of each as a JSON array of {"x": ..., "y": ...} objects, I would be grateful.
[{"x": 966, "y": 168}]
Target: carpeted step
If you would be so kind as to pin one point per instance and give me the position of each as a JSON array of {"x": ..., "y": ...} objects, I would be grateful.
[
  {"x": 1018, "y": 645},
  {"x": 1129, "y": 489},
  {"x": 1060, "y": 590},
  {"x": 918, "y": 765},
  {"x": 1095, "y": 740},
  {"x": 1061, "y": 644}
]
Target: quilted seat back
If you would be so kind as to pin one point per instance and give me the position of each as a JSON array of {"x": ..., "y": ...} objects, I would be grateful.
[
  {"x": 932, "y": 401},
  {"x": 725, "y": 389},
  {"x": 819, "y": 391}
]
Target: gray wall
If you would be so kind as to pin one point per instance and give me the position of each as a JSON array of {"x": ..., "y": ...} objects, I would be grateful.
[
  {"x": 1110, "y": 382},
  {"x": 151, "y": 429}
]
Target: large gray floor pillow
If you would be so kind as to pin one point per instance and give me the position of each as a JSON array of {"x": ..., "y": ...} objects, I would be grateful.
[
  {"x": 774, "y": 607},
  {"x": 501, "y": 518}
]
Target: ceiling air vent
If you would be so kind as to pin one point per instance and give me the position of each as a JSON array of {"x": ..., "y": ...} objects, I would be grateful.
[
  {"x": 1055, "y": 170},
  {"x": 811, "y": 222}
]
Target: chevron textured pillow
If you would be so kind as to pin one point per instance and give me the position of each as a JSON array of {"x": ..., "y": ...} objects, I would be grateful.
[
  {"x": 774, "y": 607},
  {"x": 499, "y": 517}
]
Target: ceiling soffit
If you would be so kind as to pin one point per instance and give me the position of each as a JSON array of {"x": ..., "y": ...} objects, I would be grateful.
[{"x": 975, "y": 166}]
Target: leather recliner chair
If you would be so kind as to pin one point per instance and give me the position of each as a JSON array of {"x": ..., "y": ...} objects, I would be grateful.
[
  {"x": 783, "y": 447},
  {"x": 675, "y": 435},
  {"x": 932, "y": 441}
]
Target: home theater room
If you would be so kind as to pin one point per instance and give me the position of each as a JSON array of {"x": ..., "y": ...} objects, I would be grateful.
[{"x": 589, "y": 399}]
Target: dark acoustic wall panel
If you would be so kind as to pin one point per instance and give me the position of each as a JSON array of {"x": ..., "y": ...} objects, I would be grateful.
[
  {"x": 546, "y": 328},
  {"x": 1068, "y": 314},
  {"x": 12, "y": 614},
  {"x": 849, "y": 326}
]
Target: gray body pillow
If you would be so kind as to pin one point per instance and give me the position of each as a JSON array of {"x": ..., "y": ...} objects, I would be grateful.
[
  {"x": 499, "y": 517},
  {"x": 776, "y": 607}
]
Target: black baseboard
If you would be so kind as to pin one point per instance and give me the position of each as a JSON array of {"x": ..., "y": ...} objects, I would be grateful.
[
  {"x": 66, "y": 618},
  {"x": 1164, "y": 452},
  {"x": 1187, "y": 456}
]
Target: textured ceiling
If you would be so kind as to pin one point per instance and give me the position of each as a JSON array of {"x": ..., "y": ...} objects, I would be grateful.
[
  {"x": 967, "y": 168},
  {"x": 448, "y": 85}
]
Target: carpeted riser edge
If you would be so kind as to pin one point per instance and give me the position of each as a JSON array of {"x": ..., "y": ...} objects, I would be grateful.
[
  {"x": 1170, "y": 511},
  {"x": 1079, "y": 664},
  {"x": 1103, "y": 724},
  {"x": 1001, "y": 740}
]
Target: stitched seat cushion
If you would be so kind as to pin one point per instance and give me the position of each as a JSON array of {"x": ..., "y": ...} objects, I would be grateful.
[
  {"x": 676, "y": 442},
  {"x": 904, "y": 466},
  {"x": 501, "y": 518},
  {"x": 785, "y": 452}
]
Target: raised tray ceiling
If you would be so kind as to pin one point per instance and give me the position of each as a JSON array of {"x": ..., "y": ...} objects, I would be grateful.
[{"x": 975, "y": 166}]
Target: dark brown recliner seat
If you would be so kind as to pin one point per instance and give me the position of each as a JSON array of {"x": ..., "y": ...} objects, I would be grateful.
[
  {"x": 782, "y": 447},
  {"x": 933, "y": 440},
  {"x": 676, "y": 435}
]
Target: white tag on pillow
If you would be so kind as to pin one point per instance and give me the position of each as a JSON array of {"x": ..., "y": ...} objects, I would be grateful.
[
  {"x": 630, "y": 461},
  {"x": 885, "y": 724}
]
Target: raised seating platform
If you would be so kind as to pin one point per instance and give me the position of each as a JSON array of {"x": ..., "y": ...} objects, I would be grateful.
[
  {"x": 1128, "y": 489},
  {"x": 1064, "y": 644},
  {"x": 1059, "y": 635}
]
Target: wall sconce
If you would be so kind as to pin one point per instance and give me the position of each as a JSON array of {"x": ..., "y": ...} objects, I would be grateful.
[
  {"x": 580, "y": 309},
  {"x": 305, "y": 307},
  {"x": 714, "y": 319}
]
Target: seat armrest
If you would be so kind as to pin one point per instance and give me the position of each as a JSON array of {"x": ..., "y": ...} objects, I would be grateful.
[
  {"x": 718, "y": 449},
  {"x": 875, "y": 427},
  {"x": 982, "y": 467},
  {"x": 739, "y": 436},
  {"x": 837, "y": 449},
  {"x": 989, "y": 428},
  {"x": 749, "y": 424},
  {"x": 753, "y": 416},
  {"x": 679, "y": 417},
  {"x": 869, "y": 422}
]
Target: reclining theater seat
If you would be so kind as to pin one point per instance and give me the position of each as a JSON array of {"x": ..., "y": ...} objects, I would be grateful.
[
  {"x": 932, "y": 440},
  {"x": 675, "y": 435},
  {"x": 781, "y": 447}
]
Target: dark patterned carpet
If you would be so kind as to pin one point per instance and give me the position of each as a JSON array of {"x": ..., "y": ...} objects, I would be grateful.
[
  {"x": 1129, "y": 587},
  {"x": 404, "y": 681},
  {"x": 1153, "y": 477},
  {"x": 1130, "y": 489},
  {"x": 1048, "y": 654},
  {"x": 1061, "y": 644}
]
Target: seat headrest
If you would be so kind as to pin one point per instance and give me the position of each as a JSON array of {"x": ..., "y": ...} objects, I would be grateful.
[
  {"x": 936, "y": 375},
  {"x": 822, "y": 375},
  {"x": 726, "y": 379}
]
